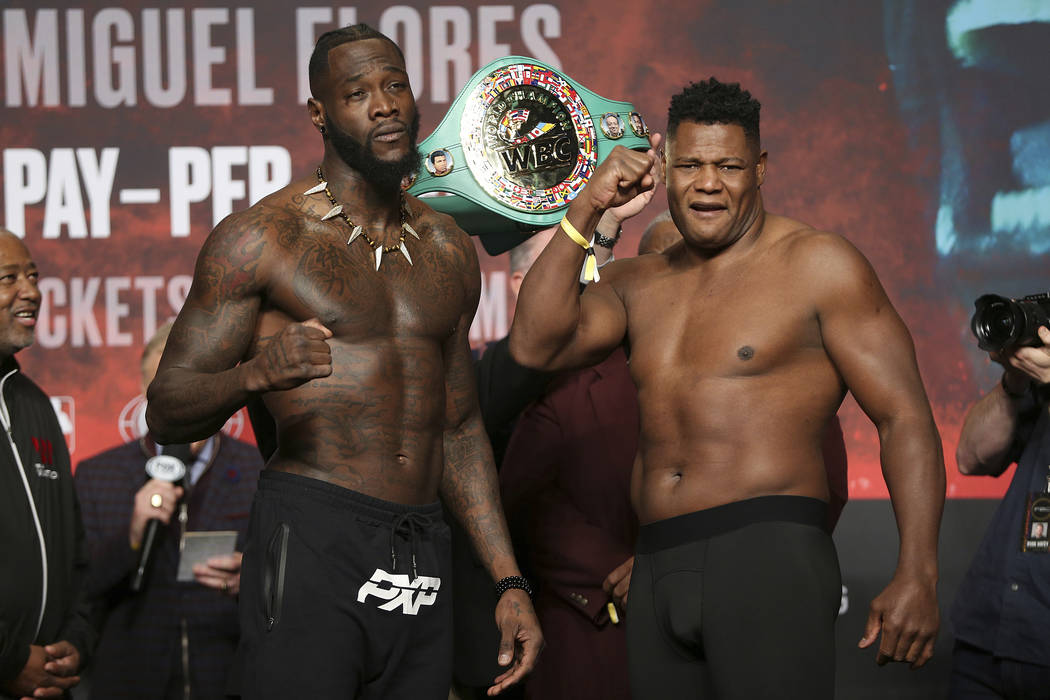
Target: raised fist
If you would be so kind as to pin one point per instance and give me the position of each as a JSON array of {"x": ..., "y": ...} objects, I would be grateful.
[{"x": 622, "y": 176}]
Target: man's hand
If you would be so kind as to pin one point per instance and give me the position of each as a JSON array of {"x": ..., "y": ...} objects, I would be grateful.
[
  {"x": 520, "y": 638},
  {"x": 294, "y": 356},
  {"x": 48, "y": 673},
  {"x": 221, "y": 573},
  {"x": 621, "y": 177},
  {"x": 618, "y": 583},
  {"x": 633, "y": 207},
  {"x": 906, "y": 613},
  {"x": 1034, "y": 362},
  {"x": 155, "y": 491},
  {"x": 65, "y": 661}
]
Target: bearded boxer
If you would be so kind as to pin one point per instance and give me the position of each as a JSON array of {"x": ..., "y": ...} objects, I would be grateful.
[{"x": 345, "y": 304}]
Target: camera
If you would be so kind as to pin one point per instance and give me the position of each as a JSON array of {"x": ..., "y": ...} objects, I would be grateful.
[{"x": 1002, "y": 323}]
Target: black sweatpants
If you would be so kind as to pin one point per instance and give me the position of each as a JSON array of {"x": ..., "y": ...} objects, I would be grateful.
[
  {"x": 736, "y": 602},
  {"x": 343, "y": 596}
]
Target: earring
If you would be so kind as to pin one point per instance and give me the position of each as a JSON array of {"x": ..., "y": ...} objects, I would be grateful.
[{"x": 321, "y": 129}]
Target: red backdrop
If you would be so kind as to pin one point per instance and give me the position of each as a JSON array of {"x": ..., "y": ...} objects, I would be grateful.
[{"x": 127, "y": 131}]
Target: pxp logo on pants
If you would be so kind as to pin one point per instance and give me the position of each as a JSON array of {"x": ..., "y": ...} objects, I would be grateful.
[{"x": 399, "y": 592}]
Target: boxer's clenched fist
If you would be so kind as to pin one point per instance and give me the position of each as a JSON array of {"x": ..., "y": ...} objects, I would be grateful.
[
  {"x": 621, "y": 177},
  {"x": 294, "y": 356}
]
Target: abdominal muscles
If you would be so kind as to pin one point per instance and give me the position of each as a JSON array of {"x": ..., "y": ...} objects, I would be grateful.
[{"x": 375, "y": 425}]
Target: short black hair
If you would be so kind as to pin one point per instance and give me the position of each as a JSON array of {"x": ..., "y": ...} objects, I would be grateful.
[
  {"x": 329, "y": 40},
  {"x": 713, "y": 102}
]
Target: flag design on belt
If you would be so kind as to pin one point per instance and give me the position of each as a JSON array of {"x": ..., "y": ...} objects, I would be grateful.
[{"x": 512, "y": 122}]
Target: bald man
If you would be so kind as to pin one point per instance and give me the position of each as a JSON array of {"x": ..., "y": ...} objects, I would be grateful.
[{"x": 45, "y": 635}]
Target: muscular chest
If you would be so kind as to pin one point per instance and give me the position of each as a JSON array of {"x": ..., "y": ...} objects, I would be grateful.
[
  {"x": 337, "y": 283},
  {"x": 749, "y": 323}
]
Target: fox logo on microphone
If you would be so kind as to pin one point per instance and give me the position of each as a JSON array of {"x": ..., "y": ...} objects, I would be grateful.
[{"x": 399, "y": 592}]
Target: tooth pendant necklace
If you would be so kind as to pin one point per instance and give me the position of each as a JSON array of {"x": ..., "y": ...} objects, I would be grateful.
[{"x": 355, "y": 231}]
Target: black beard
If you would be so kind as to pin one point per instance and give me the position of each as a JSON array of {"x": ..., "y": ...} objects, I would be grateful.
[{"x": 383, "y": 175}]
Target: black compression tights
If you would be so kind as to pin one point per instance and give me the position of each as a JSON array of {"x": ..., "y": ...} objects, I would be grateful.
[{"x": 736, "y": 602}]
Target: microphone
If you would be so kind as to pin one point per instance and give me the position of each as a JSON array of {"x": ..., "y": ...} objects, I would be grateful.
[{"x": 170, "y": 467}]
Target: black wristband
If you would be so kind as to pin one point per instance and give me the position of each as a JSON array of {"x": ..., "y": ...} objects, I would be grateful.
[
  {"x": 606, "y": 242},
  {"x": 508, "y": 582}
]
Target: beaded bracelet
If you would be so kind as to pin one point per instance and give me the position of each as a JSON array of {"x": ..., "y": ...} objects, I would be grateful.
[
  {"x": 608, "y": 241},
  {"x": 508, "y": 582}
]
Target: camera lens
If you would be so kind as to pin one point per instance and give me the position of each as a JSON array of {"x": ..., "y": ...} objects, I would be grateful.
[
  {"x": 994, "y": 324},
  {"x": 1001, "y": 323}
]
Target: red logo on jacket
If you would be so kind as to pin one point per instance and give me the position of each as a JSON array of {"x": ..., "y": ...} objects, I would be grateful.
[{"x": 46, "y": 452}]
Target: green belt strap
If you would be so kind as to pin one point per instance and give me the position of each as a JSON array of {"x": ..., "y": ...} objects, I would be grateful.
[{"x": 517, "y": 145}]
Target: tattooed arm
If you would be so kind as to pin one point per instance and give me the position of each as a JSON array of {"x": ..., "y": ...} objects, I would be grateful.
[
  {"x": 470, "y": 491},
  {"x": 200, "y": 381}
]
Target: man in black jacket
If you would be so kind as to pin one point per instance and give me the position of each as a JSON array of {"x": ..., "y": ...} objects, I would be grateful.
[{"x": 45, "y": 634}]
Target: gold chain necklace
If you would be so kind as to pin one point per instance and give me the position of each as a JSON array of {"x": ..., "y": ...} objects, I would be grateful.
[{"x": 356, "y": 230}]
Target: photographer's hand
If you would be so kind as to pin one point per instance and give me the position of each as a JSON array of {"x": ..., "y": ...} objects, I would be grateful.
[
  {"x": 1034, "y": 362},
  {"x": 987, "y": 435}
]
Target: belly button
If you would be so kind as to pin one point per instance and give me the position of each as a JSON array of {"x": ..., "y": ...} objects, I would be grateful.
[{"x": 402, "y": 459}]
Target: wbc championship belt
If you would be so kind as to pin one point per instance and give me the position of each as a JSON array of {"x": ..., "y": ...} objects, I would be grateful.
[{"x": 518, "y": 144}]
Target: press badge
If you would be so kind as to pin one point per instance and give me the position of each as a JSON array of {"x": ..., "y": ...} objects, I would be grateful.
[{"x": 1036, "y": 535}]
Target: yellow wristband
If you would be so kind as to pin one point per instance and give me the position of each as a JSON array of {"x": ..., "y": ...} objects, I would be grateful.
[
  {"x": 574, "y": 234},
  {"x": 590, "y": 263}
]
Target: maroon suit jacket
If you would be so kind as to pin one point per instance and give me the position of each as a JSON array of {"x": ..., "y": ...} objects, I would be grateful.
[{"x": 565, "y": 482}]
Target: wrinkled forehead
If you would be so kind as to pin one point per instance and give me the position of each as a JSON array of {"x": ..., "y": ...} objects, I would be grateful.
[
  {"x": 356, "y": 59},
  {"x": 709, "y": 139},
  {"x": 13, "y": 251}
]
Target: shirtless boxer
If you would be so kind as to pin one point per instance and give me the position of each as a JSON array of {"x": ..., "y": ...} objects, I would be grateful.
[
  {"x": 744, "y": 339},
  {"x": 352, "y": 325}
]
